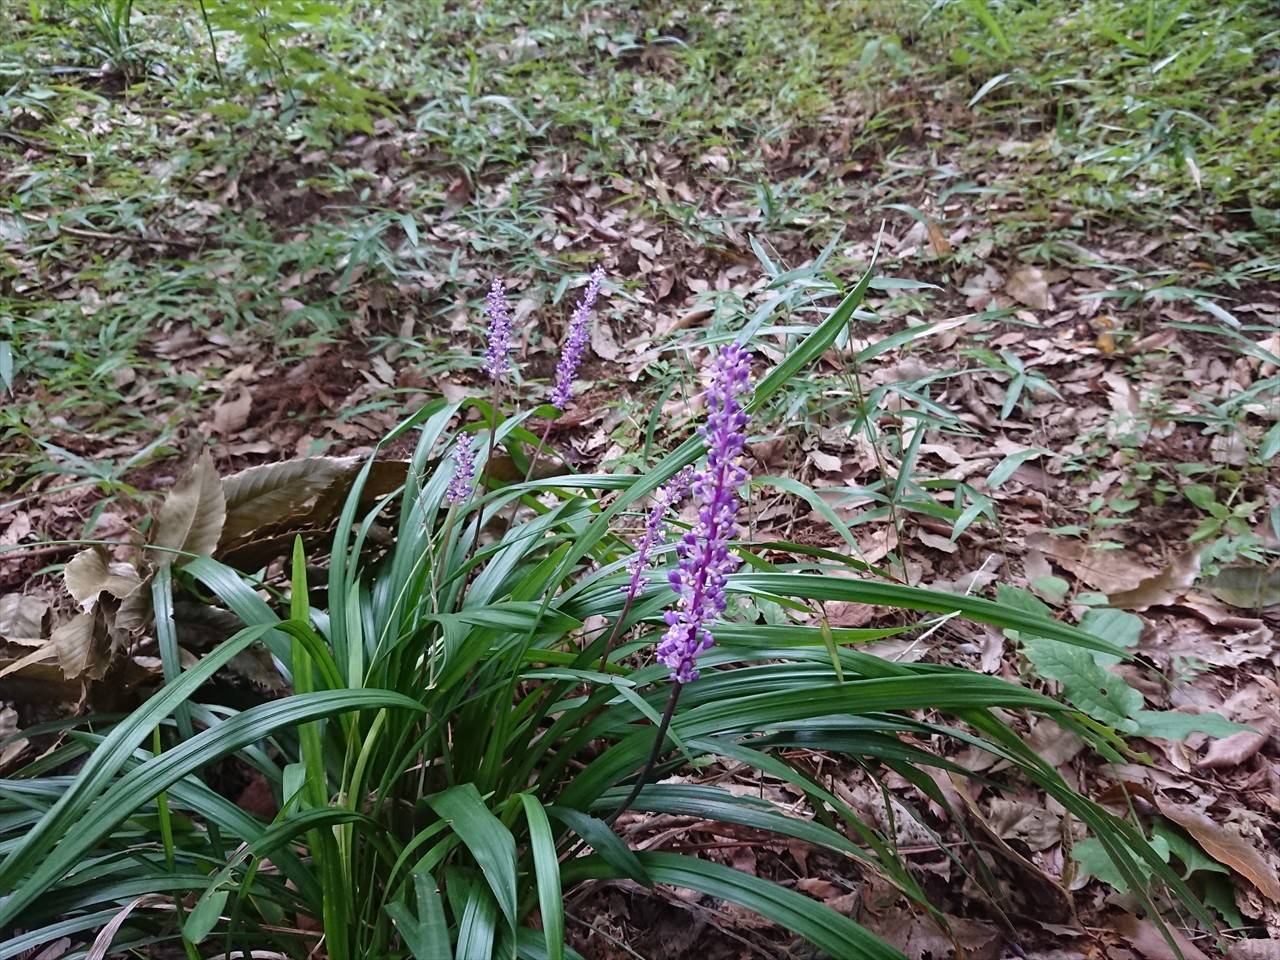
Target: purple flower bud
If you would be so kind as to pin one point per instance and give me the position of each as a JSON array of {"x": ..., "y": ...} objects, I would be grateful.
[
  {"x": 571, "y": 354},
  {"x": 705, "y": 561},
  {"x": 667, "y": 496},
  {"x": 464, "y": 468},
  {"x": 496, "y": 361}
]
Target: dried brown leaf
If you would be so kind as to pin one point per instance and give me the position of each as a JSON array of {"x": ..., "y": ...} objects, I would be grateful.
[
  {"x": 1162, "y": 589},
  {"x": 603, "y": 341},
  {"x": 231, "y": 412},
  {"x": 1029, "y": 286},
  {"x": 918, "y": 936},
  {"x": 89, "y": 574},
  {"x": 79, "y": 655},
  {"x": 1250, "y": 586},
  {"x": 1145, "y": 937},
  {"x": 266, "y": 494},
  {"x": 1254, "y": 950},
  {"x": 191, "y": 517},
  {"x": 1234, "y": 750},
  {"x": 1227, "y": 847},
  {"x": 1101, "y": 569},
  {"x": 22, "y": 619}
]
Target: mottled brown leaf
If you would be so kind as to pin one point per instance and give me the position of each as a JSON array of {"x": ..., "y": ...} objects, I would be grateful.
[
  {"x": 191, "y": 517},
  {"x": 1162, "y": 589},
  {"x": 89, "y": 574},
  {"x": 1145, "y": 937},
  {"x": 1234, "y": 750},
  {"x": 1227, "y": 847}
]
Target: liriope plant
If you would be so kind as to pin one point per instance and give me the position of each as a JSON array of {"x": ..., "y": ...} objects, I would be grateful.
[{"x": 470, "y": 711}]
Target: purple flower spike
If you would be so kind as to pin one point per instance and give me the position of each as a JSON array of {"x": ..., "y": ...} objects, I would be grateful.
[
  {"x": 571, "y": 355},
  {"x": 668, "y": 495},
  {"x": 705, "y": 561},
  {"x": 464, "y": 468},
  {"x": 496, "y": 361}
]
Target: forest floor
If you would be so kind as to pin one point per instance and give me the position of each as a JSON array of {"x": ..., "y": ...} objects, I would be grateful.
[{"x": 280, "y": 252}]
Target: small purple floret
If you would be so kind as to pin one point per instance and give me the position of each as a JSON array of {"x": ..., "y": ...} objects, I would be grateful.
[
  {"x": 655, "y": 530},
  {"x": 571, "y": 355},
  {"x": 705, "y": 561},
  {"x": 464, "y": 468},
  {"x": 496, "y": 360}
]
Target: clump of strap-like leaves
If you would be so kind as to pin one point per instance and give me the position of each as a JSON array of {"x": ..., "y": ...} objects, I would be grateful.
[{"x": 457, "y": 743}]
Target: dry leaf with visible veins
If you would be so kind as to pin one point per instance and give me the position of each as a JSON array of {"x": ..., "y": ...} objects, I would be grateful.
[
  {"x": 1145, "y": 937},
  {"x": 1101, "y": 569},
  {"x": 1164, "y": 588},
  {"x": 1226, "y": 846},
  {"x": 190, "y": 519},
  {"x": 1236, "y": 749},
  {"x": 88, "y": 574}
]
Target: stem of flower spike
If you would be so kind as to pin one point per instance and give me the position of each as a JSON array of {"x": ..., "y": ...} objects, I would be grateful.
[
  {"x": 617, "y": 628},
  {"x": 488, "y": 459},
  {"x": 533, "y": 462},
  {"x": 659, "y": 741}
]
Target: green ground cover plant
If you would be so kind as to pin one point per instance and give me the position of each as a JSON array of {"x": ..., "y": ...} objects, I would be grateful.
[{"x": 456, "y": 737}]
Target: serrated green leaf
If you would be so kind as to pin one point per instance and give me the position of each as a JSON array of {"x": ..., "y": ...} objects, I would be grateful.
[
  {"x": 1095, "y": 861},
  {"x": 1220, "y": 894},
  {"x": 1090, "y": 687},
  {"x": 1120, "y": 627},
  {"x": 1173, "y": 725},
  {"x": 1193, "y": 859}
]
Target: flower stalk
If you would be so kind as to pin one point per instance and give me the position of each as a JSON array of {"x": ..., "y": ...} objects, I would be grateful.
[{"x": 700, "y": 577}]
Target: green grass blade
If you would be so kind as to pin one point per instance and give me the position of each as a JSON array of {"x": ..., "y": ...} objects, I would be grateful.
[
  {"x": 547, "y": 867},
  {"x": 829, "y": 931},
  {"x": 427, "y": 934},
  {"x": 477, "y": 928},
  {"x": 143, "y": 783},
  {"x": 167, "y": 641},
  {"x": 817, "y": 587},
  {"x": 489, "y": 841},
  {"x": 607, "y": 844},
  {"x": 105, "y": 762}
]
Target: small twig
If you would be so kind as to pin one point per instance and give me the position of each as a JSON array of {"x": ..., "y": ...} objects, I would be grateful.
[{"x": 542, "y": 442}]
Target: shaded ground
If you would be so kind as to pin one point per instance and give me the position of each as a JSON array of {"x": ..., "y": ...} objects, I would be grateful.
[{"x": 276, "y": 265}]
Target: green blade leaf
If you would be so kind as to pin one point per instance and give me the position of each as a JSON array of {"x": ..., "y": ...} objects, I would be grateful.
[
  {"x": 427, "y": 934},
  {"x": 829, "y": 931},
  {"x": 105, "y": 762},
  {"x": 603, "y": 841},
  {"x": 489, "y": 841},
  {"x": 818, "y": 587},
  {"x": 547, "y": 867},
  {"x": 145, "y": 781}
]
